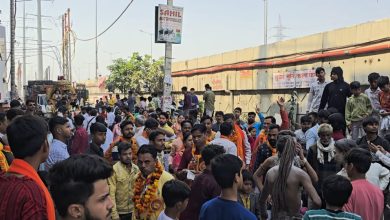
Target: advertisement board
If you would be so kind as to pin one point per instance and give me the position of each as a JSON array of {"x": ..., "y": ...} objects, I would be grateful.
[
  {"x": 168, "y": 25},
  {"x": 293, "y": 79}
]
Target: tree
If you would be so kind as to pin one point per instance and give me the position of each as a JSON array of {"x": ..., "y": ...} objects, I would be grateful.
[{"x": 137, "y": 74}]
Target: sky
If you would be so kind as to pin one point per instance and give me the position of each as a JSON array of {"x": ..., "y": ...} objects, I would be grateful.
[{"x": 209, "y": 27}]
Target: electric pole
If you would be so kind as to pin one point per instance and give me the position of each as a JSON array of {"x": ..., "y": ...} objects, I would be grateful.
[
  {"x": 12, "y": 49},
  {"x": 24, "y": 44},
  {"x": 39, "y": 34},
  {"x": 167, "y": 95},
  {"x": 69, "y": 49},
  {"x": 96, "y": 44}
]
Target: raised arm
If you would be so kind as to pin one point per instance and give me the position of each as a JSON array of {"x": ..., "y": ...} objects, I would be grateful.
[{"x": 310, "y": 99}]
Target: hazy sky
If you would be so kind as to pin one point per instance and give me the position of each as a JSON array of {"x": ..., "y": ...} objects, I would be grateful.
[{"x": 209, "y": 26}]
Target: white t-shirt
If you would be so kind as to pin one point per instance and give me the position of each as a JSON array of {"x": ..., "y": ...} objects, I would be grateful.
[
  {"x": 163, "y": 216},
  {"x": 230, "y": 147}
]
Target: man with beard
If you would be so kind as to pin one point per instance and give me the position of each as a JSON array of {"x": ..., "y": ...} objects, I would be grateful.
[
  {"x": 121, "y": 181},
  {"x": 163, "y": 120},
  {"x": 321, "y": 156},
  {"x": 252, "y": 121},
  {"x": 192, "y": 159},
  {"x": 262, "y": 137},
  {"x": 147, "y": 198},
  {"x": 127, "y": 129},
  {"x": 336, "y": 93},
  {"x": 79, "y": 187},
  {"x": 157, "y": 139},
  {"x": 268, "y": 148}
]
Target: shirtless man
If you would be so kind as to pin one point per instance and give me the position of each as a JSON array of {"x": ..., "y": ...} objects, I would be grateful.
[
  {"x": 272, "y": 161},
  {"x": 284, "y": 183}
]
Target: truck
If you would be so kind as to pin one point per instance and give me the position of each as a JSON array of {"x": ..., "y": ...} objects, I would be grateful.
[{"x": 48, "y": 93}]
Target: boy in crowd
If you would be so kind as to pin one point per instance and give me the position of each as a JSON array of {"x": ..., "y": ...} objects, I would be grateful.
[
  {"x": 247, "y": 197},
  {"x": 336, "y": 192},
  {"x": 227, "y": 171},
  {"x": 373, "y": 93},
  {"x": 301, "y": 133},
  {"x": 204, "y": 187},
  {"x": 98, "y": 132},
  {"x": 80, "y": 138},
  {"x": 175, "y": 194},
  {"x": 358, "y": 108},
  {"x": 384, "y": 100},
  {"x": 366, "y": 199}
]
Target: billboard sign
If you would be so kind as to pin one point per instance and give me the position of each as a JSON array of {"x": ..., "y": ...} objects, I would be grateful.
[
  {"x": 168, "y": 25},
  {"x": 293, "y": 79}
]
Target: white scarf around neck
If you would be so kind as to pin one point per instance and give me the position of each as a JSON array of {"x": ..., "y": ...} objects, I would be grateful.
[{"x": 330, "y": 149}]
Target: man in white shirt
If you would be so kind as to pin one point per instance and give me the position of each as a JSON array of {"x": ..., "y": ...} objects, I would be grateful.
[
  {"x": 110, "y": 117},
  {"x": 316, "y": 90},
  {"x": 226, "y": 130},
  {"x": 139, "y": 125}
]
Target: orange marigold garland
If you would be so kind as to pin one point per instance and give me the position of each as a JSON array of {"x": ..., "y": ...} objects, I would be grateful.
[
  {"x": 145, "y": 192},
  {"x": 196, "y": 162}
]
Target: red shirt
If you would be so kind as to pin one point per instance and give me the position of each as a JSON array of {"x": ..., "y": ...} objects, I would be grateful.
[
  {"x": 21, "y": 198},
  {"x": 384, "y": 100},
  {"x": 203, "y": 189},
  {"x": 366, "y": 200},
  {"x": 80, "y": 141}
]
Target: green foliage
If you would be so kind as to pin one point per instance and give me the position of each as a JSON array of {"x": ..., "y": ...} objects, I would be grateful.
[{"x": 140, "y": 74}]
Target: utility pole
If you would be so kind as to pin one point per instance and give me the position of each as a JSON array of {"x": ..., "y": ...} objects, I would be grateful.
[
  {"x": 96, "y": 44},
  {"x": 24, "y": 44},
  {"x": 69, "y": 49},
  {"x": 39, "y": 34},
  {"x": 265, "y": 22},
  {"x": 12, "y": 49},
  {"x": 167, "y": 95}
]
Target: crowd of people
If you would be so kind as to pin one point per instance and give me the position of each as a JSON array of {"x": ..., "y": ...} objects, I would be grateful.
[{"x": 128, "y": 159}]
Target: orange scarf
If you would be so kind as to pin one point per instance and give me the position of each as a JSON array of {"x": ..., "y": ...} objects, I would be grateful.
[
  {"x": 210, "y": 136},
  {"x": 237, "y": 138},
  {"x": 22, "y": 167}
]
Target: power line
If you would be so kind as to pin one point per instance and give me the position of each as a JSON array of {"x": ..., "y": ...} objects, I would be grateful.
[{"x": 112, "y": 24}]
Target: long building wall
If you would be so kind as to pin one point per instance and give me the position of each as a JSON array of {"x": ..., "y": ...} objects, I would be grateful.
[{"x": 359, "y": 50}]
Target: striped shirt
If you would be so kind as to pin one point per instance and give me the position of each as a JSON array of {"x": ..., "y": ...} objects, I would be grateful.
[
  {"x": 21, "y": 198},
  {"x": 326, "y": 214}
]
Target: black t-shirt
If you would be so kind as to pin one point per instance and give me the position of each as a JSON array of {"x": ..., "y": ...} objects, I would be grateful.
[{"x": 378, "y": 141}]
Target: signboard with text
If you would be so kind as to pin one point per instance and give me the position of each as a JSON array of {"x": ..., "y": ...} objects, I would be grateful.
[
  {"x": 168, "y": 26},
  {"x": 293, "y": 79}
]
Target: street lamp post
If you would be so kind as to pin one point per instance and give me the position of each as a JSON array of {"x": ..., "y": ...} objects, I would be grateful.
[{"x": 151, "y": 41}]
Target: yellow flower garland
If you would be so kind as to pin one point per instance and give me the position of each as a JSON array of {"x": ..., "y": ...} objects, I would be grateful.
[{"x": 145, "y": 192}]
